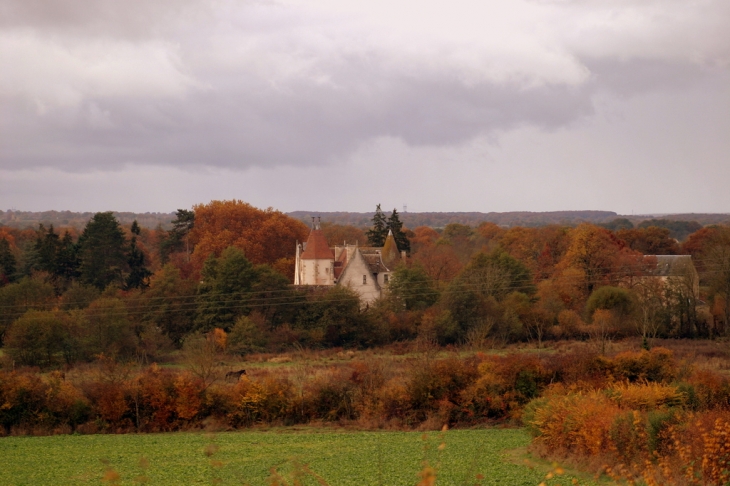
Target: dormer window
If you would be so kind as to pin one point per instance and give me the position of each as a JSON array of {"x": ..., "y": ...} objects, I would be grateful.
[{"x": 364, "y": 279}]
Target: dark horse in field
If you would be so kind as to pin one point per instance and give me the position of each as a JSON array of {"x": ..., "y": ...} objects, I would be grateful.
[{"x": 235, "y": 375}]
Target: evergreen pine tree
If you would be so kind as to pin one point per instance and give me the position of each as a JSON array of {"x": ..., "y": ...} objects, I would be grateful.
[
  {"x": 177, "y": 238},
  {"x": 7, "y": 263},
  {"x": 67, "y": 260},
  {"x": 396, "y": 226},
  {"x": 102, "y": 245},
  {"x": 139, "y": 275},
  {"x": 377, "y": 234},
  {"x": 46, "y": 250}
]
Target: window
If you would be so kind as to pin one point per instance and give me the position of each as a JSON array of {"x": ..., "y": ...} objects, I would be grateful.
[
  {"x": 385, "y": 278},
  {"x": 364, "y": 279}
]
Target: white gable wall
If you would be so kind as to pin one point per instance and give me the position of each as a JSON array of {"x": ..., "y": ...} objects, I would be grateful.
[{"x": 352, "y": 277}]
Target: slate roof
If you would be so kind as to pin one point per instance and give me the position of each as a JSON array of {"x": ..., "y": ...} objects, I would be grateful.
[{"x": 374, "y": 261}]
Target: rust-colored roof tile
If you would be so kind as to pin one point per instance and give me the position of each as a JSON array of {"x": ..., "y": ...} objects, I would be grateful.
[{"x": 317, "y": 247}]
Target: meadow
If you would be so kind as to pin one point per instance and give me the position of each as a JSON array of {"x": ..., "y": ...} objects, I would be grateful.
[{"x": 338, "y": 457}]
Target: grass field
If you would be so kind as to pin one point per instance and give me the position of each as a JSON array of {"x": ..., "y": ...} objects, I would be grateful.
[{"x": 340, "y": 457}]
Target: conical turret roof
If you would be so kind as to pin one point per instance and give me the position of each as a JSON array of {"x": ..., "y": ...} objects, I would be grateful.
[
  {"x": 316, "y": 247},
  {"x": 390, "y": 254}
]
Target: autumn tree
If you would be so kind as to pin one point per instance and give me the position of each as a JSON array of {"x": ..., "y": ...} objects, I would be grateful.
[
  {"x": 618, "y": 224},
  {"x": 497, "y": 274},
  {"x": 379, "y": 230},
  {"x": 423, "y": 236},
  {"x": 677, "y": 229},
  {"x": 102, "y": 252},
  {"x": 651, "y": 308},
  {"x": 338, "y": 234},
  {"x": 461, "y": 238},
  {"x": 715, "y": 256},
  {"x": 540, "y": 249},
  {"x": 264, "y": 236},
  {"x": 489, "y": 231},
  {"x": 651, "y": 240},
  {"x": 620, "y": 301},
  {"x": 595, "y": 257},
  {"x": 439, "y": 261}
]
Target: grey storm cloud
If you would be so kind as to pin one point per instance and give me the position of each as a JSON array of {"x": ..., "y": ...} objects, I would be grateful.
[
  {"x": 192, "y": 83},
  {"x": 306, "y": 125}
]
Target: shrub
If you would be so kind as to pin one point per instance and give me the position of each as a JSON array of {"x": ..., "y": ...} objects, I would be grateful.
[
  {"x": 645, "y": 396},
  {"x": 434, "y": 381},
  {"x": 656, "y": 365},
  {"x": 579, "y": 423}
]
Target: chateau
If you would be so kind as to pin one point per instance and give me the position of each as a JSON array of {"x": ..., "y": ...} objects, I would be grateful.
[{"x": 365, "y": 270}]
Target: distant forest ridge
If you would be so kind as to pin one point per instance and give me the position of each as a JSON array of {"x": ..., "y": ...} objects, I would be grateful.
[
  {"x": 26, "y": 219},
  {"x": 512, "y": 218}
]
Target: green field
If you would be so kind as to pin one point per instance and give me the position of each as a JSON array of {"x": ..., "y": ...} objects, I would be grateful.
[{"x": 340, "y": 457}]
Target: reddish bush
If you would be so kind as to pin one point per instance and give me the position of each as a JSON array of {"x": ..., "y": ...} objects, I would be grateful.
[{"x": 431, "y": 382}]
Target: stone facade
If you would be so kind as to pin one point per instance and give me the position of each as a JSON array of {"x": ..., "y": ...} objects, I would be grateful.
[{"x": 366, "y": 270}]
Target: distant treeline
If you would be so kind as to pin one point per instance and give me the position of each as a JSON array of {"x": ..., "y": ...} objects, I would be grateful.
[
  {"x": 513, "y": 218},
  {"x": 31, "y": 219}
]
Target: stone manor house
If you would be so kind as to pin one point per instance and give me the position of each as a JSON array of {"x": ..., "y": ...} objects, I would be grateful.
[{"x": 365, "y": 270}]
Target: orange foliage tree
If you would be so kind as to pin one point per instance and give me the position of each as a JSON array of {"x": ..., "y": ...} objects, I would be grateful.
[
  {"x": 265, "y": 236},
  {"x": 439, "y": 261},
  {"x": 649, "y": 241},
  {"x": 337, "y": 234},
  {"x": 595, "y": 257},
  {"x": 538, "y": 248},
  {"x": 423, "y": 236}
]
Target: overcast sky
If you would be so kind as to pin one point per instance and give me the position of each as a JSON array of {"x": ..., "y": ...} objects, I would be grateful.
[{"x": 466, "y": 105}]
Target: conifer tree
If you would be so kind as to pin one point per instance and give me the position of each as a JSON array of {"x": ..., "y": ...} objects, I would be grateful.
[
  {"x": 178, "y": 237},
  {"x": 67, "y": 259},
  {"x": 139, "y": 275},
  {"x": 46, "y": 249},
  {"x": 7, "y": 263},
  {"x": 377, "y": 234},
  {"x": 56, "y": 256},
  {"x": 102, "y": 245},
  {"x": 396, "y": 226}
]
